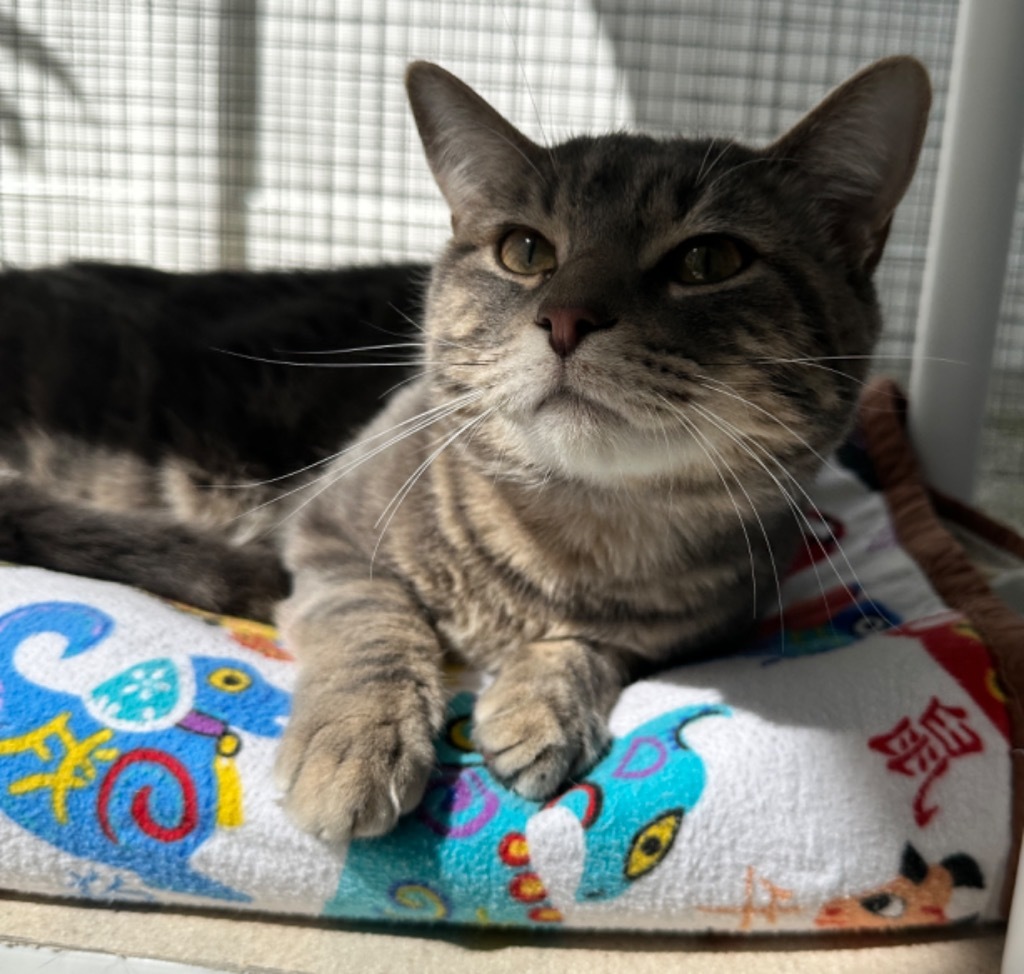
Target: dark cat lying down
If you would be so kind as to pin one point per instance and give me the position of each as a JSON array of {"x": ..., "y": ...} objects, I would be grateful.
[
  {"x": 634, "y": 355},
  {"x": 126, "y": 402}
]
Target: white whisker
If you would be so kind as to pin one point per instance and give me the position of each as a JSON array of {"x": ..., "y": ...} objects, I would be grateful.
[
  {"x": 817, "y": 365},
  {"x": 707, "y": 153},
  {"x": 732, "y": 394},
  {"x": 504, "y": 138},
  {"x": 469, "y": 397},
  {"x": 387, "y": 346},
  {"x": 740, "y": 165},
  {"x": 828, "y": 463},
  {"x": 853, "y": 358},
  {"x": 396, "y": 502},
  {"x": 319, "y": 365},
  {"x": 790, "y": 503},
  {"x": 416, "y": 424},
  {"x": 692, "y": 429},
  {"x": 386, "y": 394},
  {"x": 333, "y": 477},
  {"x": 742, "y": 439},
  {"x": 521, "y": 64},
  {"x": 718, "y": 159}
]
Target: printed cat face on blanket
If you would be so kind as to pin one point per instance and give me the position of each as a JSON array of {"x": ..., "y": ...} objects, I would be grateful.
[
  {"x": 918, "y": 896},
  {"x": 442, "y": 861}
]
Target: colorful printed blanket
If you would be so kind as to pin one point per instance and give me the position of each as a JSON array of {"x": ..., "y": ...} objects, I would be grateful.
[{"x": 851, "y": 768}]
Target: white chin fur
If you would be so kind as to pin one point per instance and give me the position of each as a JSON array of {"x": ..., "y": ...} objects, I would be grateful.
[{"x": 606, "y": 457}]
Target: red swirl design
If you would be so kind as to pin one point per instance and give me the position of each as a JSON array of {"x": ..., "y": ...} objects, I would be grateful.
[{"x": 140, "y": 800}]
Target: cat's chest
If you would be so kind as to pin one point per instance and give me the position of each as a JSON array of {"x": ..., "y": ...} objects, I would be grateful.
[
  {"x": 481, "y": 618},
  {"x": 495, "y": 568},
  {"x": 485, "y": 600}
]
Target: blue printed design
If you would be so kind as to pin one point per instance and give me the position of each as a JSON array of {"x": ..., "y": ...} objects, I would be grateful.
[
  {"x": 144, "y": 800},
  {"x": 462, "y": 856}
]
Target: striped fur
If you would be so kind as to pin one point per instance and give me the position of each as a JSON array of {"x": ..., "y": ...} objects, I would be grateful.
[{"x": 567, "y": 520}]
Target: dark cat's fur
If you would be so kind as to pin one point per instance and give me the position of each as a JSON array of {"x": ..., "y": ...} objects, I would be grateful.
[
  {"x": 636, "y": 354},
  {"x": 125, "y": 390}
]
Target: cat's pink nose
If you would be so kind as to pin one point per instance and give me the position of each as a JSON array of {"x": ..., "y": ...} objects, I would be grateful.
[{"x": 569, "y": 326}]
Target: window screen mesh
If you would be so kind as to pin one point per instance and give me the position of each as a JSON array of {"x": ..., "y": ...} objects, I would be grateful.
[{"x": 195, "y": 134}]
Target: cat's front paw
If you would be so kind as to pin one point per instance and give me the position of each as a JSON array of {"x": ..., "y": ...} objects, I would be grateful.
[
  {"x": 535, "y": 738},
  {"x": 349, "y": 770}
]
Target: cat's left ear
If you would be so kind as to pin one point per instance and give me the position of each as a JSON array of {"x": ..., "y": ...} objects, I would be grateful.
[
  {"x": 478, "y": 159},
  {"x": 858, "y": 150}
]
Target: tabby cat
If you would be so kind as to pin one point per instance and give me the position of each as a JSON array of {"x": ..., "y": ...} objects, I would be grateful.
[{"x": 635, "y": 354}]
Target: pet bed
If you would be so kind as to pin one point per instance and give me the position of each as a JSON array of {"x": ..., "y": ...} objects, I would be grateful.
[{"x": 849, "y": 769}]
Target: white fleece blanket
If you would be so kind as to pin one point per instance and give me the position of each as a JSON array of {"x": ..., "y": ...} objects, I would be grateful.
[{"x": 848, "y": 770}]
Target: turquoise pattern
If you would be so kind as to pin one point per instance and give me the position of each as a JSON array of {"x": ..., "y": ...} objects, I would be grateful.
[
  {"x": 463, "y": 857},
  {"x": 143, "y": 694}
]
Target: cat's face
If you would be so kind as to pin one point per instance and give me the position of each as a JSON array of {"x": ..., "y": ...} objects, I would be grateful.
[{"x": 633, "y": 308}]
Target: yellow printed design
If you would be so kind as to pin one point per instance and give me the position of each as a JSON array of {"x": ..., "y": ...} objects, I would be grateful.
[
  {"x": 76, "y": 768},
  {"x": 145, "y": 791},
  {"x": 421, "y": 898},
  {"x": 229, "y": 783},
  {"x": 652, "y": 843}
]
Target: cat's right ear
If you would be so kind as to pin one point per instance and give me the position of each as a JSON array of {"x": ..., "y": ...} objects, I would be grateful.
[{"x": 477, "y": 158}]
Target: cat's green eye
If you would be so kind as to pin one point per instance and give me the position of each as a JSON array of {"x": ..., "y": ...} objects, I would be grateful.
[
  {"x": 707, "y": 260},
  {"x": 525, "y": 251}
]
